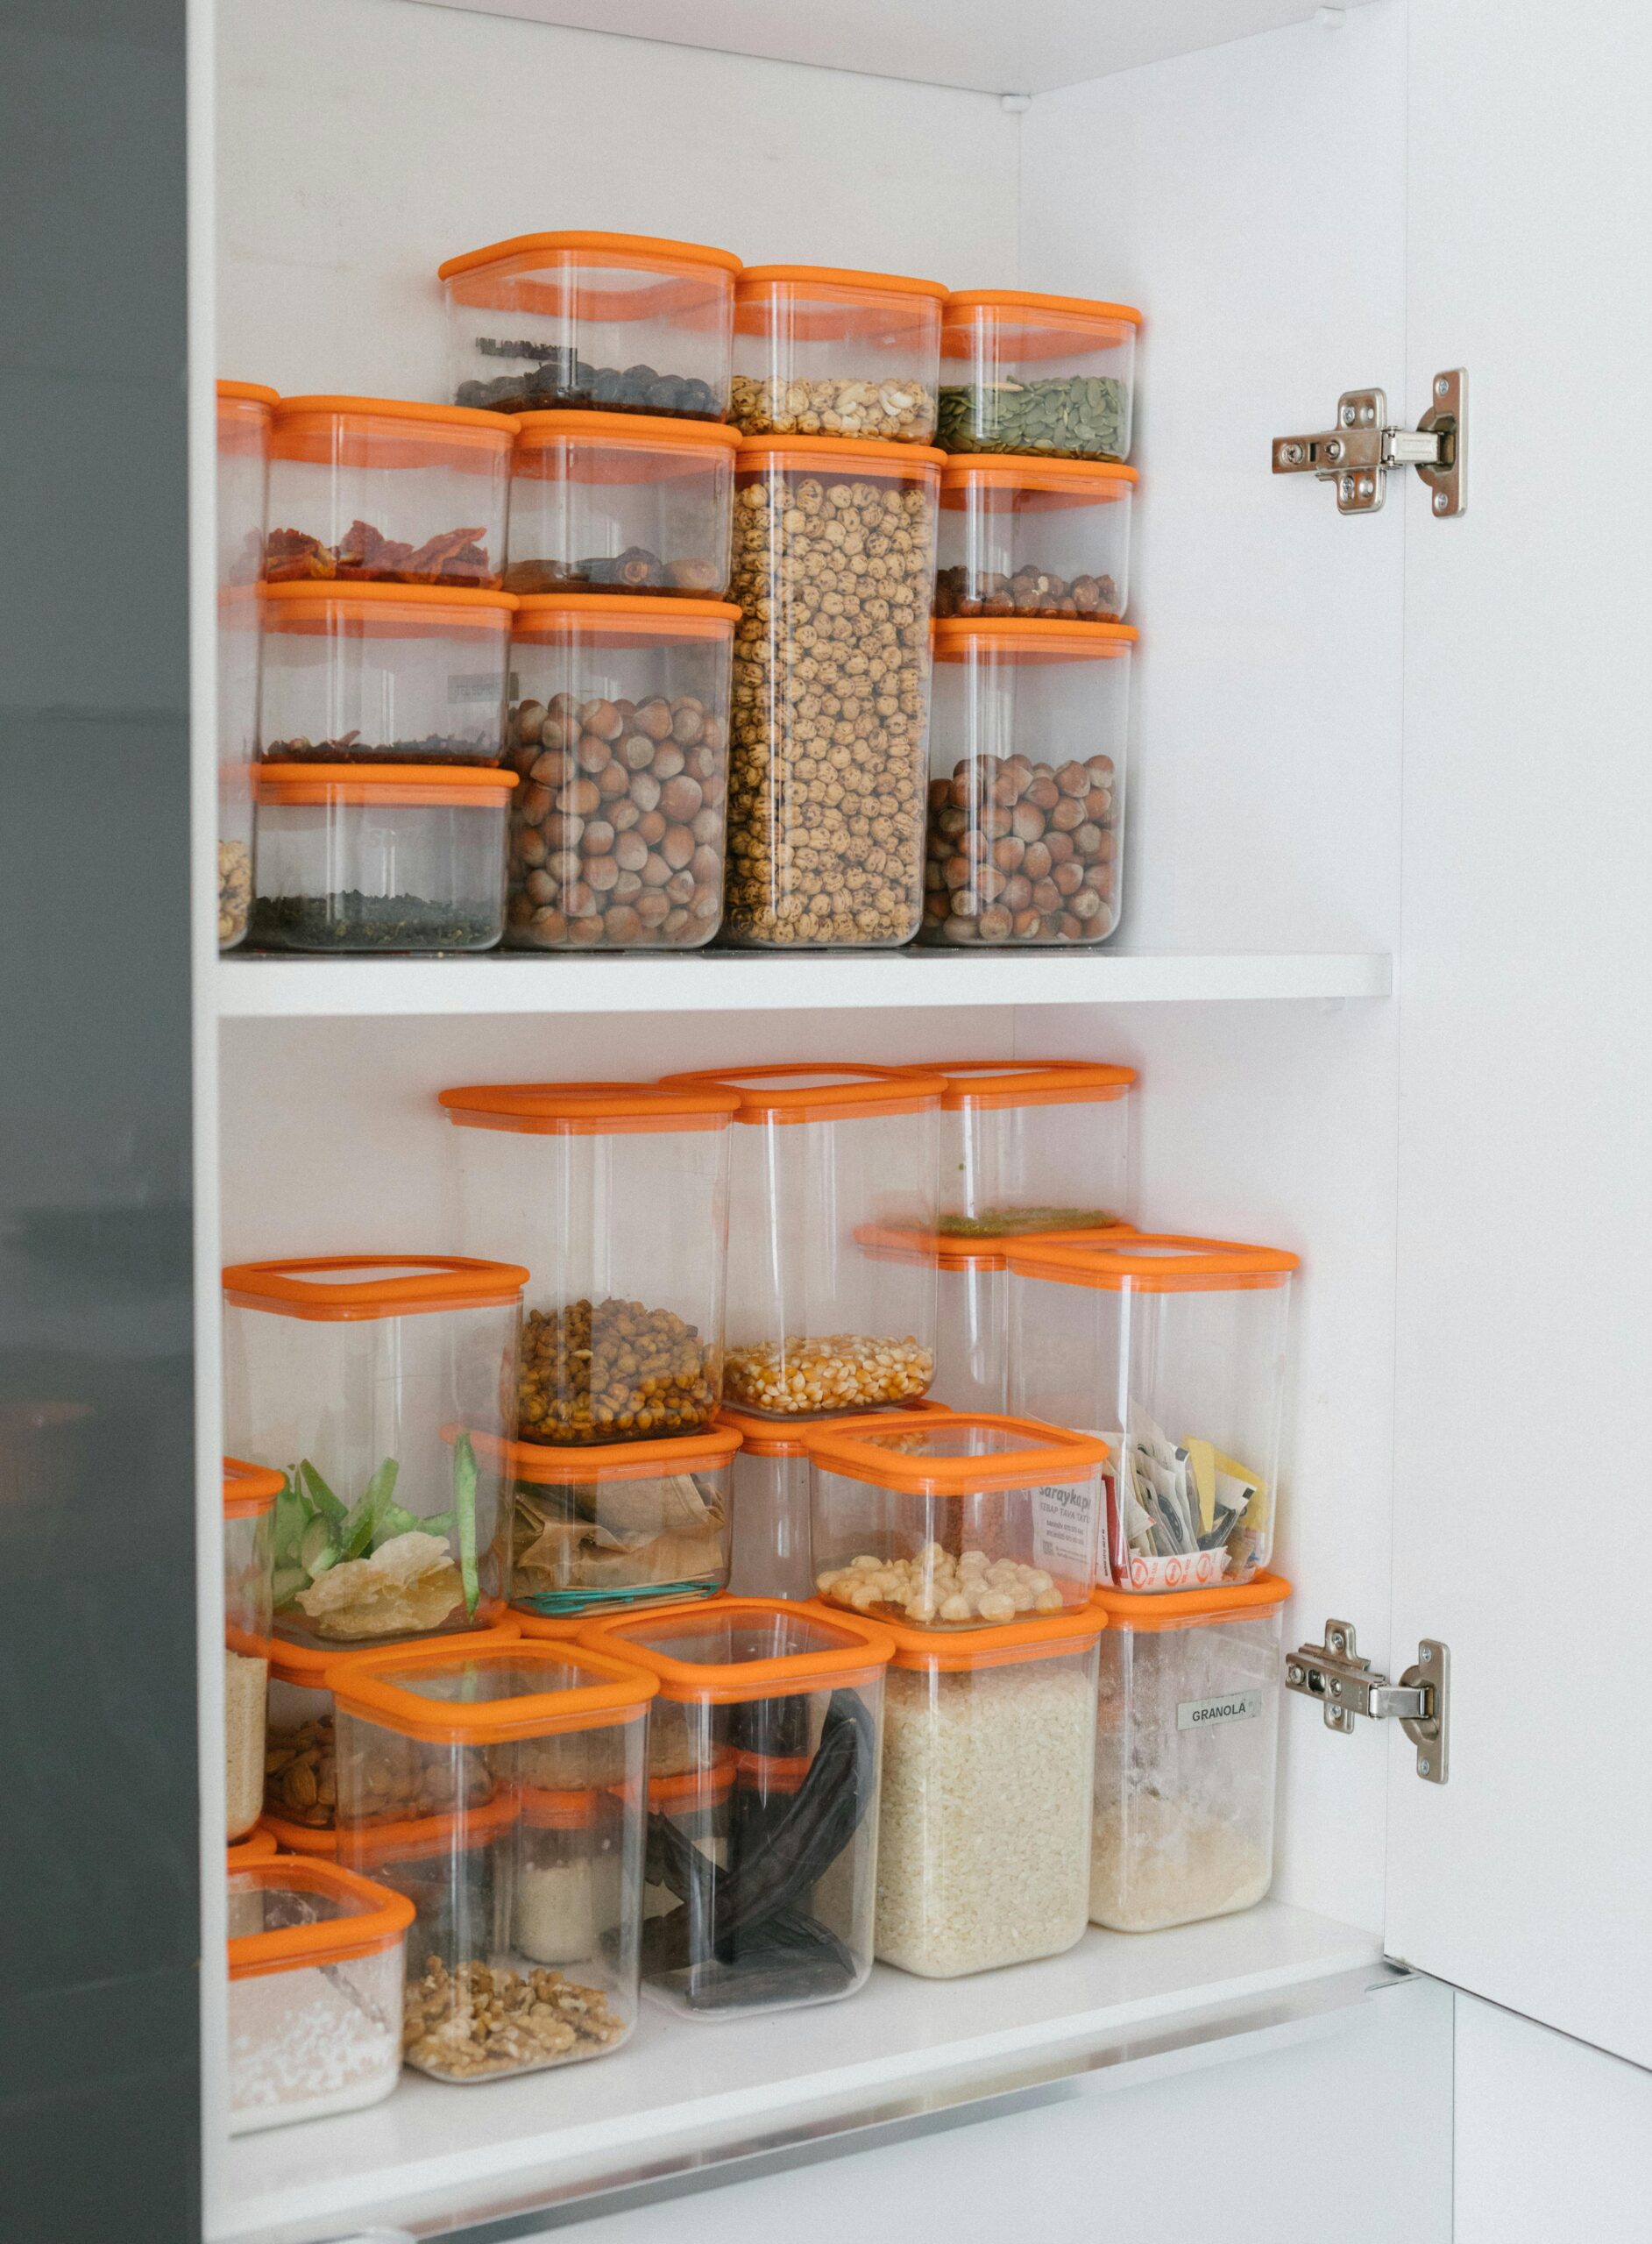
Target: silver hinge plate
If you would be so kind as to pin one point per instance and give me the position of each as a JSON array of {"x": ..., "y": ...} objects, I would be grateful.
[
  {"x": 1356, "y": 455},
  {"x": 1347, "y": 1686}
]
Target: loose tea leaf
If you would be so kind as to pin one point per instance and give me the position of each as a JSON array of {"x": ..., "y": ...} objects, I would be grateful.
[{"x": 1074, "y": 417}]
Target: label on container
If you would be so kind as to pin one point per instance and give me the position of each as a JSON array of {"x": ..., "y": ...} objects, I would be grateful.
[
  {"x": 474, "y": 687},
  {"x": 1214, "y": 1714},
  {"x": 1064, "y": 1529}
]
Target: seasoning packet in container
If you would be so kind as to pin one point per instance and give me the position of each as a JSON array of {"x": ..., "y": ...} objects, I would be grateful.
[{"x": 250, "y": 1494}]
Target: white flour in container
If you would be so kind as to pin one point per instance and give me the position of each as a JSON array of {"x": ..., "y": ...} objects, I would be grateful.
[
  {"x": 245, "y": 1681},
  {"x": 318, "y": 2039},
  {"x": 1164, "y": 1862}
]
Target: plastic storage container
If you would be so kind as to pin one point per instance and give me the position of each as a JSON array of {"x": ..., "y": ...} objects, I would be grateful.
[
  {"x": 620, "y": 732},
  {"x": 984, "y": 1806},
  {"x": 1035, "y": 537},
  {"x": 834, "y": 556},
  {"x": 250, "y": 1492},
  {"x": 366, "y": 1379},
  {"x": 818, "y": 352},
  {"x": 817, "y": 1327},
  {"x": 1187, "y": 1736},
  {"x": 620, "y": 502},
  {"x": 246, "y": 410},
  {"x": 1032, "y": 1145},
  {"x": 380, "y": 856},
  {"x": 1026, "y": 792},
  {"x": 1049, "y": 376},
  {"x": 316, "y": 1963},
  {"x": 1173, "y": 1350},
  {"x": 524, "y": 1950},
  {"x": 622, "y": 322},
  {"x": 617, "y": 1196},
  {"x": 773, "y": 1907}
]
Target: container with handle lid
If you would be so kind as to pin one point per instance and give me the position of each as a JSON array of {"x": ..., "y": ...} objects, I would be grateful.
[
  {"x": 1032, "y": 1145},
  {"x": 246, "y": 413},
  {"x": 1052, "y": 376},
  {"x": 620, "y": 502},
  {"x": 821, "y": 352},
  {"x": 1035, "y": 537},
  {"x": 250, "y": 1494}
]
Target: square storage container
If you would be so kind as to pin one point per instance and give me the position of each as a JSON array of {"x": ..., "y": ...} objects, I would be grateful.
[
  {"x": 834, "y": 557},
  {"x": 523, "y": 1953},
  {"x": 820, "y": 353},
  {"x": 1044, "y": 375},
  {"x": 620, "y": 323},
  {"x": 380, "y": 856},
  {"x": 621, "y": 503},
  {"x": 1173, "y": 1350},
  {"x": 1035, "y": 537},
  {"x": 1032, "y": 1145},
  {"x": 1026, "y": 791},
  {"x": 617, "y": 1197},
  {"x": 984, "y": 1806},
  {"x": 366, "y": 1379},
  {"x": 771, "y": 1909},
  {"x": 620, "y": 730},
  {"x": 250, "y": 1492},
  {"x": 245, "y": 411},
  {"x": 1187, "y": 1739}
]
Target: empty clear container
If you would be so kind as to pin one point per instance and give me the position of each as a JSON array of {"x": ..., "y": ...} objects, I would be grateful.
[
  {"x": 620, "y": 502},
  {"x": 1032, "y": 1145},
  {"x": 250, "y": 1492},
  {"x": 622, "y": 322},
  {"x": 1046, "y": 375},
  {"x": 1035, "y": 537},
  {"x": 366, "y": 1381},
  {"x": 1173, "y": 1350},
  {"x": 246, "y": 410},
  {"x": 820, "y": 353},
  {"x": 1186, "y": 1739}
]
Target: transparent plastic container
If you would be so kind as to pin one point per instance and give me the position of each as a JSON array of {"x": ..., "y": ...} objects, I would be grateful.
[
  {"x": 523, "y": 1953},
  {"x": 1026, "y": 793},
  {"x": 316, "y": 1967},
  {"x": 620, "y": 323},
  {"x": 820, "y": 353},
  {"x": 373, "y": 1383},
  {"x": 1035, "y": 538},
  {"x": 834, "y": 557},
  {"x": 1032, "y": 1145},
  {"x": 616, "y": 1195},
  {"x": 1187, "y": 1739},
  {"x": 620, "y": 502},
  {"x": 250, "y": 1492},
  {"x": 246, "y": 410},
  {"x": 1173, "y": 1350},
  {"x": 985, "y": 1804},
  {"x": 817, "y": 1327},
  {"x": 969, "y": 1521},
  {"x": 366, "y": 490},
  {"x": 380, "y": 856},
  {"x": 1049, "y": 376},
  {"x": 620, "y": 730},
  {"x": 773, "y": 1909}
]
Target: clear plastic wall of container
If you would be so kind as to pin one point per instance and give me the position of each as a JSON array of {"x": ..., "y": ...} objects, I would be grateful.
[
  {"x": 618, "y": 323},
  {"x": 1051, "y": 376},
  {"x": 620, "y": 502},
  {"x": 528, "y": 1893},
  {"x": 382, "y": 490},
  {"x": 317, "y": 1966},
  {"x": 1025, "y": 835},
  {"x": 246, "y": 410},
  {"x": 250, "y": 1493},
  {"x": 1186, "y": 1737},
  {"x": 985, "y": 1804},
  {"x": 620, "y": 730},
  {"x": 616, "y": 1196},
  {"x": 820, "y": 353},
  {"x": 1173, "y": 1350},
  {"x": 767, "y": 1883},
  {"x": 380, "y": 856},
  {"x": 834, "y": 556},
  {"x": 1032, "y": 1145},
  {"x": 972, "y": 1314},
  {"x": 1036, "y": 538},
  {"x": 629, "y": 1523},
  {"x": 366, "y": 1381}
]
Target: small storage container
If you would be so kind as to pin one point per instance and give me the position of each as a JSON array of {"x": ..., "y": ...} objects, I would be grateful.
[
  {"x": 1026, "y": 790},
  {"x": 620, "y": 502},
  {"x": 620, "y": 323},
  {"x": 380, "y": 856},
  {"x": 984, "y": 1805},
  {"x": 1052, "y": 376},
  {"x": 1186, "y": 1737},
  {"x": 367, "y": 1381},
  {"x": 817, "y": 1327},
  {"x": 250, "y": 1492},
  {"x": 834, "y": 557},
  {"x": 620, "y": 728},
  {"x": 818, "y": 352},
  {"x": 1173, "y": 1350},
  {"x": 388, "y": 491},
  {"x": 617, "y": 1197},
  {"x": 246, "y": 410},
  {"x": 1035, "y": 538},
  {"x": 316, "y": 1967},
  {"x": 773, "y": 1910},
  {"x": 524, "y": 1950},
  {"x": 966, "y": 1521},
  {"x": 1032, "y": 1145}
]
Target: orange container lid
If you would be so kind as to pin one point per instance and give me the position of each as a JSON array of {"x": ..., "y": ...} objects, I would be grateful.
[
  {"x": 247, "y": 393},
  {"x": 260, "y": 1845},
  {"x": 1015, "y": 1453},
  {"x": 321, "y": 606},
  {"x": 960, "y": 1251},
  {"x": 637, "y": 431},
  {"x": 361, "y": 1919},
  {"x": 1053, "y": 327},
  {"x": 835, "y": 1649},
  {"x": 1031, "y": 638},
  {"x": 1095, "y": 482},
  {"x": 1145, "y": 1612},
  {"x": 975, "y": 1086},
  {"x": 538, "y": 1690},
  {"x": 249, "y": 1489},
  {"x": 300, "y": 1838},
  {"x": 395, "y": 786},
  {"x": 808, "y": 1091},
  {"x": 693, "y": 1788},
  {"x": 405, "y": 1284},
  {"x": 623, "y": 619},
  {"x": 563, "y": 1628},
  {"x": 543, "y": 1809},
  {"x": 774, "y": 1437},
  {"x": 308, "y": 1667},
  {"x": 842, "y": 456},
  {"x": 1156, "y": 1262},
  {"x": 589, "y": 1110},
  {"x": 649, "y": 252},
  {"x": 1048, "y": 1635},
  {"x": 839, "y": 277},
  {"x": 497, "y": 427},
  {"x": 545, "y": 1465},
  {"x": 423, "y": 1838}
]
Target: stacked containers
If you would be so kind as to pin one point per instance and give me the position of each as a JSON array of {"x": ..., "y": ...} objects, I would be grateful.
[
  {"x": 620, "y": 502},
  {"x": 820, "y": 353},
  {"x": 250, "y": 1492},
  {"x": 245, "y": 411},
  {"x": 1048, "y": 376},
  {"x": 1035, "y": 537},
  {"x": 1015, "y": 1158}
]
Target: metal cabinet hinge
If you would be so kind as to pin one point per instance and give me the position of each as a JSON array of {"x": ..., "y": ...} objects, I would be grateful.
[
  {"x": 1345, "y": 1685},
  {"x": 1356, "y": 454}
]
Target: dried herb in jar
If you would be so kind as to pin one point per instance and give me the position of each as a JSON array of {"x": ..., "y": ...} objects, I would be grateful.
[{"x": 352, "y": 921}]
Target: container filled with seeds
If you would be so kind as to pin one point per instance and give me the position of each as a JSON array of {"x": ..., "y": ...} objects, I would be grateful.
[
  {"x": 1052, "y": 376},
  {"x": 246, "y": 415},
  {"x": 820, "y": 353},
  {"x": 1026, "y": 790},
  {"x": 614, "y": 323},
  {"x": 250, "y": 1492},
  {"x": 620, "y": 732},
  {"x": 1032, "y": 1145},
  {"x": 834, "y": 544},
  {"x": 1035, "y": 537},
  {"x": 620, "y": 502}
]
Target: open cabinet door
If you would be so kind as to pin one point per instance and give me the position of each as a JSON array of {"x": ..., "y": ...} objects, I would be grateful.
[{"x": 1525, "y": 1286}]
